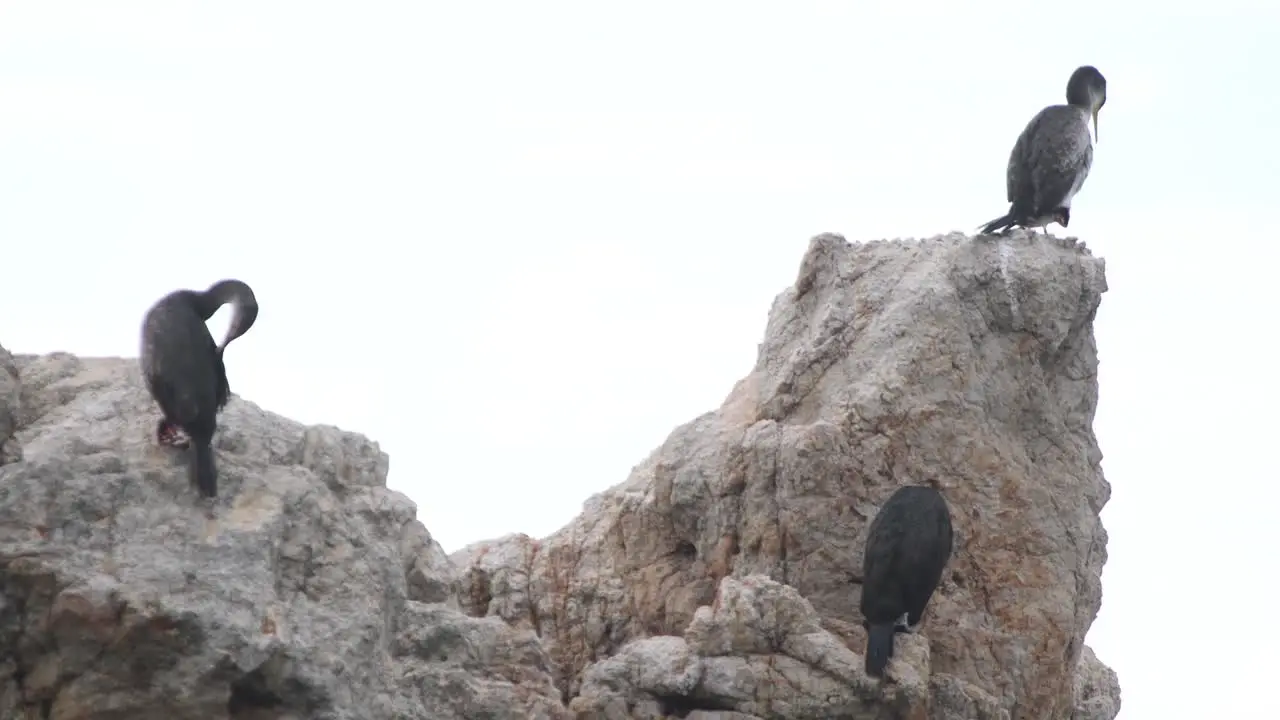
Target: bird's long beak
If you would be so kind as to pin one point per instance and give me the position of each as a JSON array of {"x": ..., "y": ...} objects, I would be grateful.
[{"x": 1095, "y": 125}]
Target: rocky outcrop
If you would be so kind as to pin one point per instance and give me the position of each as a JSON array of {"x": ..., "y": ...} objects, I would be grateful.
[
  {"x": 308, "y": 590},
  {"x": 10, "y": 406},
  {"x": 718, "y": 582},
  {"x": 964, "y": 363},
  {"x": 1097, "y": 689},
  {"x": 761, "y": 651}
]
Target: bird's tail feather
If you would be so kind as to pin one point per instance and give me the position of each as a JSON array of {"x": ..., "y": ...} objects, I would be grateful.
[
  {"x": 998, "y": 224},
  {"x": 204, "y": 474},
  {"x": 879, "y": 648}
]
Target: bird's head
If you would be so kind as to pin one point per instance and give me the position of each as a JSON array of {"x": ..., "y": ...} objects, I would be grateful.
[
  {"x": 244, "y": 306},
  {"x": 1087, "y": 89}
]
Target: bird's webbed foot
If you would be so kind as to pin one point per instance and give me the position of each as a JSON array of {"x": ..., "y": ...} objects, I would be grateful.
[{"x": 171, "y": 435}]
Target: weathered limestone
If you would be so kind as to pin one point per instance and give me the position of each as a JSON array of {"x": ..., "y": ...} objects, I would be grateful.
[
  {"x": 718, "y": 582},
  {"x": 966, "y": 363}
]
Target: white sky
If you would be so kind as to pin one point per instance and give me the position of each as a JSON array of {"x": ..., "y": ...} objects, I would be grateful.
[{"x": 518, "y": 243}]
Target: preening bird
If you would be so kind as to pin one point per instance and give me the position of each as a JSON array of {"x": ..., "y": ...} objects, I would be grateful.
[
  {"x": 1051, "y": 158},
  {"x": 185, "y": 372}
]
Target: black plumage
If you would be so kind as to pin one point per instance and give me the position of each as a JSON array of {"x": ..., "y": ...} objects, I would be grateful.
[
  {"x": 185, "y": 372},
  {"x": 1052, "y": 157},
  {"x": 908, "y": 546}
]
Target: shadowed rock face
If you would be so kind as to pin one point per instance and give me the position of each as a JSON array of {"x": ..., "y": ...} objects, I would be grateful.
[
  {"x": 964, "y": 363},
  {"x": 719, "y": 582}
]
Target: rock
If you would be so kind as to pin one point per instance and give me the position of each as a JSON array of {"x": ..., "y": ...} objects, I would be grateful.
[
  {"x": 1097, "y": 689},
  {"x": 10, "y": 407},
  {"x": 718, "y": 582},
  {"x": 308, "y": 589},
  {"x": 964, "y": 363},
  {"x": 759, "y": 652}
]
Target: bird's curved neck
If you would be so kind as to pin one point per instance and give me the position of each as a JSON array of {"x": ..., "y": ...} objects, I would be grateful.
[
  {"x": 244, "y": 307},
  {"x": 206, "y": 304}
]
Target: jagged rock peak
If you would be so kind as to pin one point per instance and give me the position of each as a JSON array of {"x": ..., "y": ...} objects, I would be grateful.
[
  {"x": 718, "y": 582},
  {"x": 965, "y": 363}
]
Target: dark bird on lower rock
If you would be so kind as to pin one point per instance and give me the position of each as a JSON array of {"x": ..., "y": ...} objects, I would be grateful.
[
  {"x": 184, "y": 369},
  {"x": 908, "y": 546},
  {"x": 1051, "y": 158}
]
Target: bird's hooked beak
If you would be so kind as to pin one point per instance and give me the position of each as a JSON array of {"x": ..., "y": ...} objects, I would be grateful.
[
  {"x": 233, "y": 329},
  {"x": 231, "y": 332}
]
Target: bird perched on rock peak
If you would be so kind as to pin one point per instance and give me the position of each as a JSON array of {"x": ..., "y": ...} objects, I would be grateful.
[{"x": 1052, "y": 157}]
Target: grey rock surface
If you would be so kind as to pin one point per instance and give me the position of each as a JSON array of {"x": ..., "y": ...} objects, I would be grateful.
[
  {"x": 10, "y": 408},
  {"x": 966, "y": 363},
  {"x": 761, "y": 652},
  {"x": 306, "y": 590},
  {"x": 718, "y": 582},
  {"x": 1097, "y": 689}
]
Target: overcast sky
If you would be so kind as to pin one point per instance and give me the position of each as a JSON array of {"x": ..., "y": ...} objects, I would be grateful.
[{"x": 517, "y": 243}]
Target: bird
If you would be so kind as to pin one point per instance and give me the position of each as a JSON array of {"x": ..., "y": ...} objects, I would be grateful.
[
  {"x": 184, "y": 370},
  {"x": 1051, "y": 158},
  {"x": 908, "y": 546}
]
